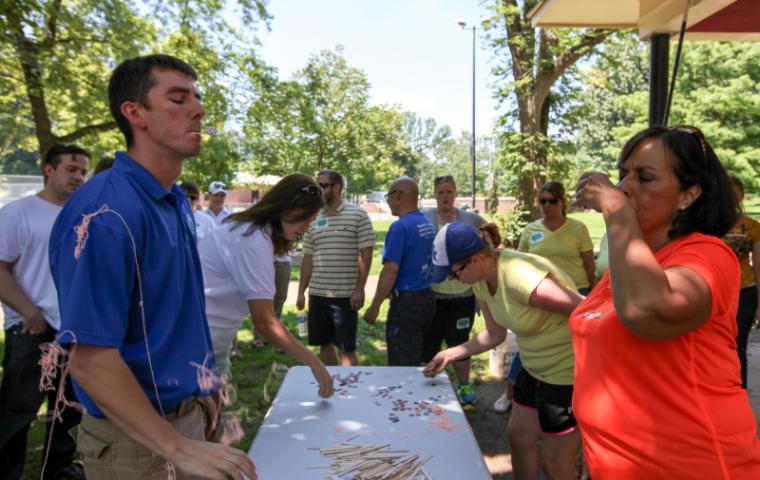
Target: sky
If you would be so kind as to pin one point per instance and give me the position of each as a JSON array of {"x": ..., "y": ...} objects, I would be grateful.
[{"x": 413, "y": 52}]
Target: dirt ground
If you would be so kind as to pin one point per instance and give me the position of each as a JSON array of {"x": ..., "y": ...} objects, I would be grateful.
[{"x": 490, "y": 429}]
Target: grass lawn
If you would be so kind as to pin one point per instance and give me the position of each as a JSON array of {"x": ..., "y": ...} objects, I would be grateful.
[{"x": 259, "y": 367}]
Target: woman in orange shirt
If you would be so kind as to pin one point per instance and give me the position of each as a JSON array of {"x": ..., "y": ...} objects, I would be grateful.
[{"x": 657, "y": 379}]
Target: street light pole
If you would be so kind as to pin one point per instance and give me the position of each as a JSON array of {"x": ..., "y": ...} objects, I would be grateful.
[{"x": 463, "y": 25}]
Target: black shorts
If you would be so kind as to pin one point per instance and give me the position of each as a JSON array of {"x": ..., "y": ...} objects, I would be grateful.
[
  {"x": 451, "y": 323},
  {"x": 332, "y": 320},
  {"x": 553, "y": 402}
]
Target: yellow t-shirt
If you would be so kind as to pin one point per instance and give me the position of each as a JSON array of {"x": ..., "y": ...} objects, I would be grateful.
[
  {"x": 562, "y": 247},
  {"x": 742, "y": 239},
  {"x": 546, "y": 347}
]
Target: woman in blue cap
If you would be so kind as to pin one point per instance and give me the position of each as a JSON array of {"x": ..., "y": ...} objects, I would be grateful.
[{"x": 530, "y": 296}]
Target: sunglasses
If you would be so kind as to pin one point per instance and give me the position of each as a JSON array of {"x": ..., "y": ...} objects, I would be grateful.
[
  {"x": 443, "y": 178},
  {"x": 696, "y": 133},
  {"x": 392, "y": 192},
  {"x": 544, "y": 201},
  {"x": 325, "y": 186},
  {"x": 313, "y": 190},
  {"x": 192, "y": 197},
  {"x": 455, "y": 273}
]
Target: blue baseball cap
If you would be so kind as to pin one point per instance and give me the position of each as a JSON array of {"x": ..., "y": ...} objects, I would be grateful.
[{"x": 455, "y": 242}]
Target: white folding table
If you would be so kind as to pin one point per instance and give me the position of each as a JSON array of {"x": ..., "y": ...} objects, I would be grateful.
[{"x": 374, "y": 405}]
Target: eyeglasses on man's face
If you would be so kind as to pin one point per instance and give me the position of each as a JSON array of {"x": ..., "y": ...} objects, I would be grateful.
[
  {"x": 544, "y": 201},
  {"x": 312, "y": 190},
  {"x": 392, "y": 192},
  {"x": 325, "y": 186}
]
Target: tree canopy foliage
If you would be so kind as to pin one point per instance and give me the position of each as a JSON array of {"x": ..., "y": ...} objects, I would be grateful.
[
  {"x": 573, "y": 96},
  {"x": 56, "y": 57},
  {"x": 716, "y": 90}
]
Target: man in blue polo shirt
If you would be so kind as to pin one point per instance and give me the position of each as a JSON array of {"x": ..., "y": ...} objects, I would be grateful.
[
  {"x": 124, "y": 260},
  {"x": 407, "y": 262}
]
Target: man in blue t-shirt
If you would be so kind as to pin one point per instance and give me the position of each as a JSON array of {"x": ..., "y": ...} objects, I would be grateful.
[
  {"x": 407, "y": 261},
  {"x": 124, "y": 261}
]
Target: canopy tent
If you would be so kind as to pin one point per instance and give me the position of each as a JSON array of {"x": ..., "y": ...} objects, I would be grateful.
[{"x": 656, "y": 21}]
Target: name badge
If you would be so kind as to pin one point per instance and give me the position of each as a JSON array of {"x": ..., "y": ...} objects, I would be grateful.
[{"x": 536, "y": 237}]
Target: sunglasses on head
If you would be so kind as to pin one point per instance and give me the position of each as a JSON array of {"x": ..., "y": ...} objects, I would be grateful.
[
  {"x": 544, "y": 201},
  {"x": 312, "y": 190},
  {"x": 697, "y": 134},
  {"x": 443, "y": 178}
]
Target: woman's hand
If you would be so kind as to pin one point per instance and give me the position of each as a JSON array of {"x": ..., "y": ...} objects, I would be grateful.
[
  {"x": 436, "y": 365},
  {"x": 325, "y": 380},
  {"x": 597, "y": 192}
]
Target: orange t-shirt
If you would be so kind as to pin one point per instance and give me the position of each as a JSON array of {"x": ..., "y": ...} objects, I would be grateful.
[{"x": 670, "y": 409}]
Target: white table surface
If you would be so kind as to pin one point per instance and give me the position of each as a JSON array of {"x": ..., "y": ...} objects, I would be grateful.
[{"x": 299, "y": 420}]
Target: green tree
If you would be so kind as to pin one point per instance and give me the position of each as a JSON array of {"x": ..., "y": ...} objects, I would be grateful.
[
  {"x": 532, "y": 61},
  {"x": 58, "y": 57},
  {"x": 716, "y": 90},
  {"x": 424, "y": 138},
  {"x": 321, "y": 118}
]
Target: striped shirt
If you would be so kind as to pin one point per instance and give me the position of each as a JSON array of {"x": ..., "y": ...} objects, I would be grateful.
[{"x": 334, "y": 240}]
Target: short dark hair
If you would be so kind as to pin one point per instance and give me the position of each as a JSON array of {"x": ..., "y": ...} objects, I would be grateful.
[
  {"x": 104, "y": 164},
  {"x": 132, "y": 80},
  {"x": 191, "y": 188},
  {"x": 694, "y": 162},
  {"x": 295, "y": 192},
  {"x": 334, "y": 176},
  {"x": 53, "y": 156}
]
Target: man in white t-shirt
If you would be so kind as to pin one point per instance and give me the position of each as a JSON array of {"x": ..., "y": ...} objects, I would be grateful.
[
  {"x": 203, "y": 223},
  {"x": 217, "y": 195},
  {"x": 30, "y": 305}
]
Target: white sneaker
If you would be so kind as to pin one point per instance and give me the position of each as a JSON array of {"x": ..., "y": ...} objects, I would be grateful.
[{"x": 502, "y": 404}]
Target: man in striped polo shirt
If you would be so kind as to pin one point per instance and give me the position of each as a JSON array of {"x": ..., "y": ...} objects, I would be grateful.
[{"x": 337, "y": 258}]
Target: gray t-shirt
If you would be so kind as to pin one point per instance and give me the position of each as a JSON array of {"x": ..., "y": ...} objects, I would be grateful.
[{"x": 453, "y": 288}]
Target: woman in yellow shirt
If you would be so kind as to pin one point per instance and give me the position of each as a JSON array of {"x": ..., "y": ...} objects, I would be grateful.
[
  {"x": 533, "y": 298},
  {"x": 564, "y": 241}
]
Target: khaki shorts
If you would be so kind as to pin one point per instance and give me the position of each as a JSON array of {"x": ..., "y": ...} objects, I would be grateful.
[{"x": 110, "y": 454}]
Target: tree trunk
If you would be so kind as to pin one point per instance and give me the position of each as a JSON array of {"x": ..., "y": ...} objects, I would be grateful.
[{"x": 34, "y": 89}]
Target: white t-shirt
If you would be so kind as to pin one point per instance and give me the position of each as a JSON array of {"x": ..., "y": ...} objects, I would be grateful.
[
  {"x": 24, "y": 237},
  {"x": 236, "y": 269},
  {"x": 218, "y": 219},
  {"x": 203, "y": 224}
]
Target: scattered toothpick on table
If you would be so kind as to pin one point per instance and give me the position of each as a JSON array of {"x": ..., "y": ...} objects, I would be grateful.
[{"x": 372, "y": 462}]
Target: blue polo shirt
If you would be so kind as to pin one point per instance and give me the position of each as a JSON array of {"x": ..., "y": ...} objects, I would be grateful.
[
  {"x": 409, "y": 243},
  {"x": 99, "y": 296}
]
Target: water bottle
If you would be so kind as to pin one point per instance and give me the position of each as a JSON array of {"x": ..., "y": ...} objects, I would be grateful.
[{"x": 303, "y": 326}]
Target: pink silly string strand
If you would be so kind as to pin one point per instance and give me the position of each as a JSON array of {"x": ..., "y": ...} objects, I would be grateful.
[
  {"x": 49, "y": 364},
  {"x": 207, "y": 377}
]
